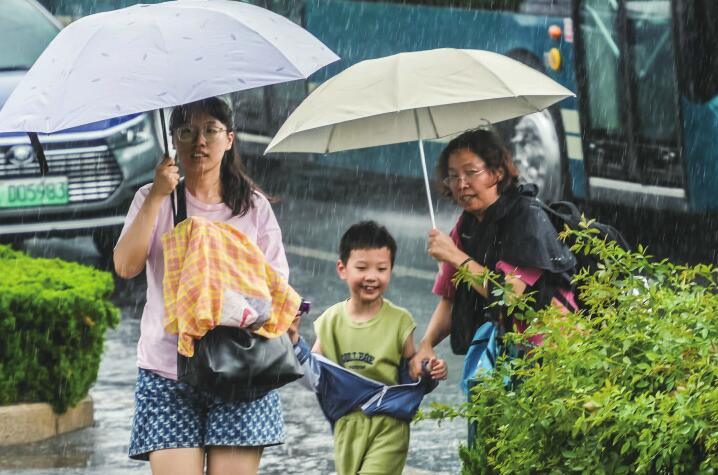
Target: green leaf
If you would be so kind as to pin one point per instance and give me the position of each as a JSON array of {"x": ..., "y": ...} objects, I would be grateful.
[{"x": 627, "y": 385}]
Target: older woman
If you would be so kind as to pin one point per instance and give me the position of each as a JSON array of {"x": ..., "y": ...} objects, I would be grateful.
[
  {"x": 180, "y": 429},
  {"x": 501, "y": 229}
]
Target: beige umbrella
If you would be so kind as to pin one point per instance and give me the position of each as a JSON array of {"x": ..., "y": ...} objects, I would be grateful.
[{"x": 414, "y": 96}]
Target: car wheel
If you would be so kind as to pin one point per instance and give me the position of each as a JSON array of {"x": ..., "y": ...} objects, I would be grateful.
[{"x": 535, "y": 148}]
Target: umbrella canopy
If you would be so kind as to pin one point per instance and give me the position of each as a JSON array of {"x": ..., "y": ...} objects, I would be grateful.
[
  {"x": 148, "y": 57},
  {"x": 414, "y": 96}
]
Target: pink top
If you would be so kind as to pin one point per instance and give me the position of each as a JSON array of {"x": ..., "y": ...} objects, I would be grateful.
[
  {"x": 157, "y": 349},
  {"x": 443, "y": 287}
]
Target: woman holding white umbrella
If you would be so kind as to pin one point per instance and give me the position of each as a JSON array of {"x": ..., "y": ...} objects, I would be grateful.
[
  {"x": 175, "y": 426},
  {"x": 501, "y": 230},
  {"x": 149, "y": 57}
]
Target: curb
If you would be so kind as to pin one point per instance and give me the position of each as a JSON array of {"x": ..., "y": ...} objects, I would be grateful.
[{"x": 24, "y": 423}]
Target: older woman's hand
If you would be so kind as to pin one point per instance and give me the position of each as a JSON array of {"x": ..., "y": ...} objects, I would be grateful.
[{"x": 443, "y": 249}]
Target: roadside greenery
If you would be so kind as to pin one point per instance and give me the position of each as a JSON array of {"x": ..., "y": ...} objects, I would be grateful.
[
  {"x": 53, "y": 318},
  {"x": 627, "y": 385}
]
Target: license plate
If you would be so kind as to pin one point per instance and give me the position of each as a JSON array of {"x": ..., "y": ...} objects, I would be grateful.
[{"x": 50, "y": 190}]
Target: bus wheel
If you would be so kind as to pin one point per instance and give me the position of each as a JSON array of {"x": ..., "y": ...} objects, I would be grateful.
[{"x": 534, "y": 146}]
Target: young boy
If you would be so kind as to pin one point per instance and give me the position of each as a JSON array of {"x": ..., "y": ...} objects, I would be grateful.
[{"x": 371, "y": 337}]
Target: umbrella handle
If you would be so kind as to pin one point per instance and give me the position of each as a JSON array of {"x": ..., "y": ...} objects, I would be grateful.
[
  {"x": 428, "y": 190},
  {"x": 173, "y": 199},
  {"x": 39, "y": 153},
  {"x": 426, "y": 183},
  {"x": 164, "y": 130}
]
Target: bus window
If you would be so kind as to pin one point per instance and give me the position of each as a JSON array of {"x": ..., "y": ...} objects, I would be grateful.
[
  {"x": 698, "y": 29},
  {"x": 602, "y": 61},
  {"x": 650, "y": 43},
  {"x": 629, "y": 91}
]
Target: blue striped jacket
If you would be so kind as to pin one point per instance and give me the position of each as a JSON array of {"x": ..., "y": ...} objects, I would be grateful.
[{"x": 341, "y": 391}]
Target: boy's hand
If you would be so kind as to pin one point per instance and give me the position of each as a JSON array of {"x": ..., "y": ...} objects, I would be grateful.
[
  {"x": 416, "y": 365},
  {"x": 437, "y": 369},
  {"x": 293, "y": 330}
]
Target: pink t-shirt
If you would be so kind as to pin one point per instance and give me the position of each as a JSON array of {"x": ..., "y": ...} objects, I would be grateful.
[
  {"x": 157, "y": 349},
  {"x": 443, "y": 287}
]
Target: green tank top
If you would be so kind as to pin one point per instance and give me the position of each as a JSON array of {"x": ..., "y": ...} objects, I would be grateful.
[{"x": 372, "y": 349}]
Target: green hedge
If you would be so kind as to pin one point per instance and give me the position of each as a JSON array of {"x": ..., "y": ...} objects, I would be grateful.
[
  {"x": 53, "y": 318},
  {"x": 629, "y": 385}
]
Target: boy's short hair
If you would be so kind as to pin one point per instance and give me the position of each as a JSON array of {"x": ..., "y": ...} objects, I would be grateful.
[{"x": 366, "y": 235}]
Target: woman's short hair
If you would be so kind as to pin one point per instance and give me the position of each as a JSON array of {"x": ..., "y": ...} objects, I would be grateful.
[{"x": 489, "y": 147}]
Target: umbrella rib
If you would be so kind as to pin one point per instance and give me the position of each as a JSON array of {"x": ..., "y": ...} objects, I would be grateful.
[
  {"x": 433, "y": 122},
  {"x": 331, "y": 136},
  {"x": 529, "y": 103},
  {"x": 416, "y": 121},
  {"x": 498, "y": 78},
  {"x": 397, "y": 100},
  {"x": 277, "y": 48},
  {"x": 74, "y": 62},
  {"x": 165, "y": 44}
]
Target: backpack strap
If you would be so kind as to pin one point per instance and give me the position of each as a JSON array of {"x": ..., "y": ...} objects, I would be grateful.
[
  {"x": 180, "y": 213},
  {"x": 560, "y": 213},
  {"x": 573, "y": 210}
]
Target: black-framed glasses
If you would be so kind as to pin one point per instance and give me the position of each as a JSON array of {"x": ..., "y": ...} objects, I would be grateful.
[
  {"x": 189, "y": 134},
  {"x": 469, "y": 176}
]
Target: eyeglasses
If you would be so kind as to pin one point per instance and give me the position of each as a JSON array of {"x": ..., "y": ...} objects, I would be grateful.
[
  {"x": 470, "y": 175},
  {"x": 188, "y": 134}
]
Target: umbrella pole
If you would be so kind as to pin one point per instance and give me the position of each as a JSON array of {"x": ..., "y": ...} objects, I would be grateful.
[
  {"x": 167, "y": 152},
  {"x": 164, "y": 130},
  {"x": 39, "y": 153},
  {"x": 426, "y": 183}
]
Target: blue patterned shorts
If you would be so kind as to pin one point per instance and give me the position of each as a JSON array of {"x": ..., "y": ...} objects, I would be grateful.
[{"x": 170, "y": 414}]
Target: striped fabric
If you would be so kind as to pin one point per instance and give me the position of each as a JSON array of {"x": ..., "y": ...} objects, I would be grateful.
[{"x": 205, "y": 259}]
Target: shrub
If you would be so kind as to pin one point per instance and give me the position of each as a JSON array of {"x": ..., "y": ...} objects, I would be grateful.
[
  {"x": 53, "y": 318},
  {"x": 627, "y": 385}
]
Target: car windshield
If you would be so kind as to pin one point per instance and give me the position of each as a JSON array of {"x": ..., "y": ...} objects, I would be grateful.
[{"x": 24, "y": 33}]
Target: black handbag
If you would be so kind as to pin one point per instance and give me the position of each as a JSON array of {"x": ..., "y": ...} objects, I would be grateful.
[
  {"x": 234, "y": 363},
  {"x": 239, "y": 365}
]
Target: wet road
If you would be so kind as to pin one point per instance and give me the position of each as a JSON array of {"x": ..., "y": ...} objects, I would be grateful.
[{"x": 311, "y": 229}]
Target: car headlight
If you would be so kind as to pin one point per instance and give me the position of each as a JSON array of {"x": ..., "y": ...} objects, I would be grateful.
[{"x": 134, "y": 134}]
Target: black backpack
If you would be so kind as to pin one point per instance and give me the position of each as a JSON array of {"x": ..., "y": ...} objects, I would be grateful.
[{"x": 565, "y": 213}]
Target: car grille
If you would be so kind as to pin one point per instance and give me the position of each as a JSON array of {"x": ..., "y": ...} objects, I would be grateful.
[{"x": 92, "y": 172}]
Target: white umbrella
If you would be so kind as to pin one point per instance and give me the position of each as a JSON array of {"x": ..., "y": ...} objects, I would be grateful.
[
  {"x": 148, "y": 57},
  {"x": 414, "y": 96}
]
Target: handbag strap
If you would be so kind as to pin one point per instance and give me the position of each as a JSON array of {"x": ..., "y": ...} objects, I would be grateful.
[{"x": 181, "y": 210}]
